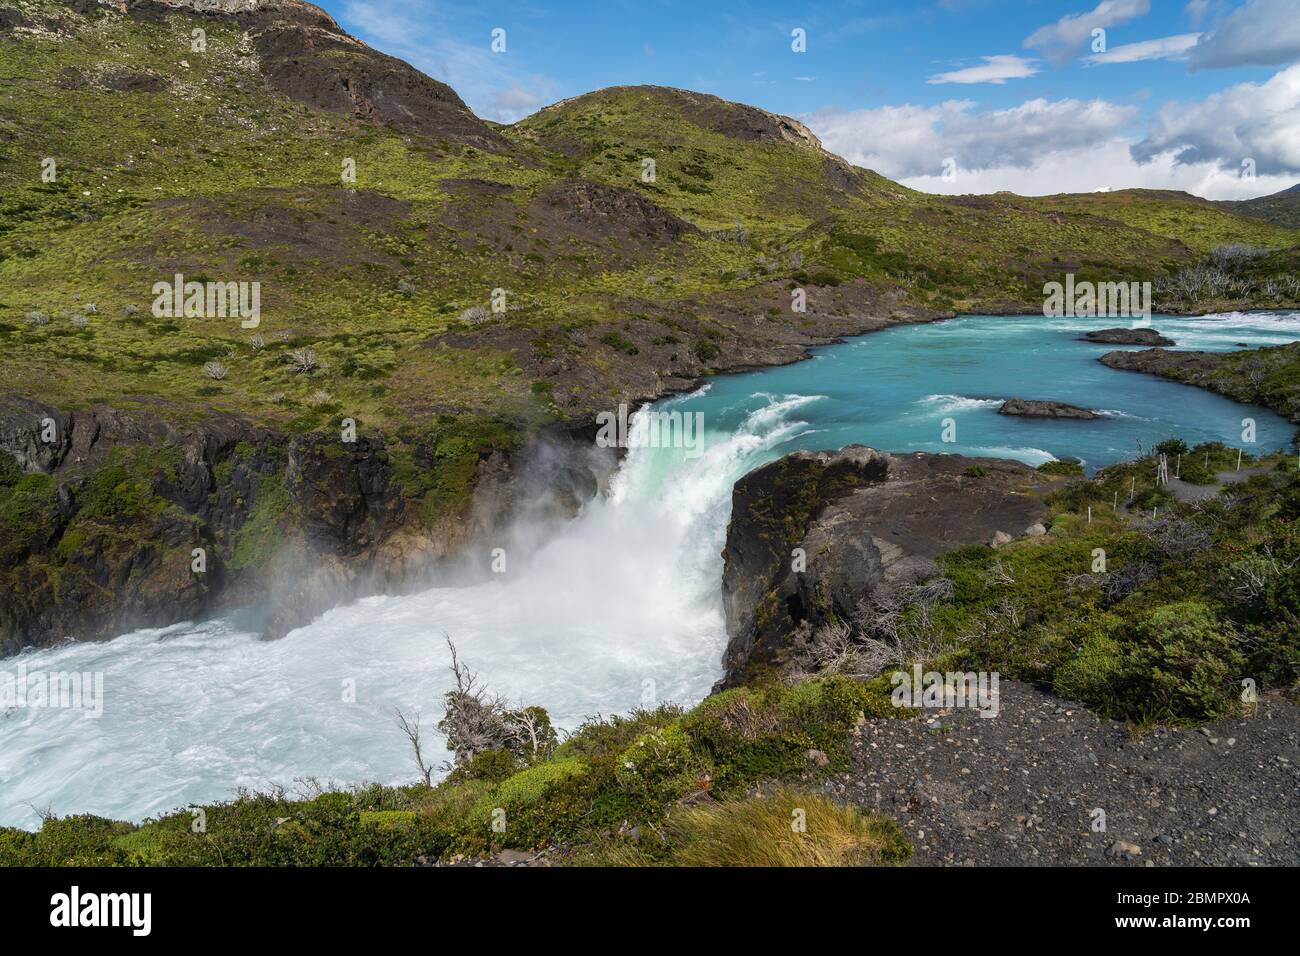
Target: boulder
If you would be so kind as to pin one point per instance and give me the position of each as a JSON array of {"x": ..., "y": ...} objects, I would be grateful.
[
  {"x": 1128, "y": 337},
  {"x": 815, "y": 533},
  {"x": 1027, "y": 408}
]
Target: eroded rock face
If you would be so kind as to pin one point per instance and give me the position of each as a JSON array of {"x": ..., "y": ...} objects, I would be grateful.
[
  {"x": 1028, "y": 408},
  {"x": 1128, "y": 337},
  {"x": 862, "y": 521},
  {"x": 306, "y": 55},
  {"x": 101, "y": 536}
]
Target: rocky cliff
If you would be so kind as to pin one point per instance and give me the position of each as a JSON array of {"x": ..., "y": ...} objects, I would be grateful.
[
  {"x": 1264, "y": 376},
  {"x": 815, "y": 534},
  {"x": 116, "y": 519}
]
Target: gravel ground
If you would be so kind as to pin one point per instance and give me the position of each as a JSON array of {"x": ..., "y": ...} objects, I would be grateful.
[{"x": 1020, "y": 788}]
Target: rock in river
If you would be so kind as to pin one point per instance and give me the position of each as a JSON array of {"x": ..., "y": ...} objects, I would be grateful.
[
  {"x": 1027, "y": 408},
  {"x": 1128, "y": 337},
  {"x": 815, "y": 533}
]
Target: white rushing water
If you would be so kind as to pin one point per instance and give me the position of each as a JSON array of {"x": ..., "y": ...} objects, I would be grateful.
[{"x": 621, "y": 608}]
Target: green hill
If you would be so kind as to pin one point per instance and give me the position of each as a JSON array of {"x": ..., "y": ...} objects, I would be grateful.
[
  {"x": 1282, "y": 208},
  {"x": 227, "y": 163}
]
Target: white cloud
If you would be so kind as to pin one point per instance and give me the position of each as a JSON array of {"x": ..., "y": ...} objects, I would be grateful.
[
  {"x": 1060, "y": 41},
  {"x": 911, "y": 141},
  {"x": 1196, "y": 10},
  {"x": 1257, "y": 121},
  {"x": 1053, "y": 146},
  {"x": 1103, "y": 167},
  {"x": 1165, "y": 48},
  {"x": 1260, "y": 33},
  {"x": 994, "y": 69}
]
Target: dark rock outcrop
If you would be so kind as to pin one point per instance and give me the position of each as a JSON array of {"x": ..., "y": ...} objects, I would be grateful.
[
  {"x": 1028, "y": 408},
  {"x": 815, "y": 533},
  {"x": 101, "y": 539},
  {"x": 1259, "y": 376},
  {"x": 306, "y": 55},
  {"x": 1128, "y": 337}
]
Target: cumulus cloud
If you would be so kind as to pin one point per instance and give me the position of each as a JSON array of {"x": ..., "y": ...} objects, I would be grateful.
[
  {"x": 1260, "y": 33},
  {"x": 1104, "y": 166},
  {"x": 1165, "y": 48},
  {"x": 994, "y": 69},
  {"x": 1255, "y": 121},
  {"x": 908, "y": 141},
  {"x": 1061, "y": 40},
  {"x": 1196, "y": 10},
  {"x": 1052, "y": 146}
]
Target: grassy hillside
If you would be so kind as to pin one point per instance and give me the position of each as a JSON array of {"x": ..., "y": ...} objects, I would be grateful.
[
  {"x": 1265, "y": 376},
  {"x": 1281, "y": 209},
  {"x": 226, "y": 164}
]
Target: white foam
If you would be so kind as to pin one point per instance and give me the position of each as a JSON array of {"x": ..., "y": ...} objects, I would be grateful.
[
  {"x": 621, "y": 608},
  {"x": 949, "y": 404}
]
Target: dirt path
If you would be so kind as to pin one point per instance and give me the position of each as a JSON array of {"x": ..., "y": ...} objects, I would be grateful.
[
  {"x": 1188, "y": 492},
  {"x": 1019, "y": 788}
]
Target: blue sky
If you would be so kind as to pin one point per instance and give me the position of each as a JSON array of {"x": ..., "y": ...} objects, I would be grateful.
[{"x": 1193, "y": 95}]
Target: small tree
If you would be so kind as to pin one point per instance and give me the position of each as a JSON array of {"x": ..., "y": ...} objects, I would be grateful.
[{"x": 477, "y": 722}]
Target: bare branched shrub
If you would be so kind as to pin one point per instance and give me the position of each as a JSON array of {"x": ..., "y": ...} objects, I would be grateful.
[
  {"x": 477, "y": 721},
  {"x": 1119, "y": 584},
  {"x": 995, "y": 625},
  {"x": 475, "y": 315},
  {"x": 302, "y": 360},
  {"x": 836, "y": 648},
  {"x": 899, "y": 624},
  {"x": 741, "y": 718},
  {"x": 38, "y": 319},
  {"x": 1254, "y": 575},
  {"x": 214, "y": 370},
  {"x": 410, "y": 726},
  {"x": 1234, "y": 254},
  {"x": 79, "y": 321},
  {"x": 997, "y": 574},
  {"x": 318, "y": 398},
  {"x": 256, "y": 343},
  {"x": 1178, "y": 537}
]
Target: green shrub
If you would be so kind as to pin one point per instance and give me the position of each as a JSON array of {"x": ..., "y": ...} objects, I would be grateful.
[
  {"x": 619, "y": 343},
  {"x": 1066, "y": 468},
  {"x": 537, "y": 805},
  {"x": 1178, "y": 662},
  {"x": 706, "y": 351},
  {"x": 10, "y": 473},
  {"x": 660, "y": 766},
  {"x": 1194, "y": 472}
]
